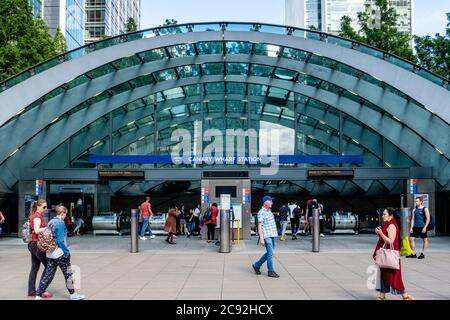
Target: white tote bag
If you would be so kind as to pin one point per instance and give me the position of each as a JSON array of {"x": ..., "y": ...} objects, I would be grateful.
[{"x": 388, "y": 258}]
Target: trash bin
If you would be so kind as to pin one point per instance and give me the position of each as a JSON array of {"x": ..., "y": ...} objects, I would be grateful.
[{"x": 225, "y": 241}]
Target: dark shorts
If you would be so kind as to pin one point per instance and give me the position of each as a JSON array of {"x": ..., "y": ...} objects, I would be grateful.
[{"x": 417, "y": 233}]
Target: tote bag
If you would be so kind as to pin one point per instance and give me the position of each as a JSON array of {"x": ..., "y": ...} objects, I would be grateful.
[{"x": 388, "y": 258}]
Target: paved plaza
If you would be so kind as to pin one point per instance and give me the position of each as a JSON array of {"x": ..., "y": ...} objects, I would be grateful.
[{"x": 194, "y": 270}]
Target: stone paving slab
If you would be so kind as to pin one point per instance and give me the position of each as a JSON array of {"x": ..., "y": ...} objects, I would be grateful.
[{"x": 194, "y": 270}]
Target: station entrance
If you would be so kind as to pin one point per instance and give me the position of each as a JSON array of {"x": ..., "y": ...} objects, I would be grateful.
[{"x": 109, "y": 191}]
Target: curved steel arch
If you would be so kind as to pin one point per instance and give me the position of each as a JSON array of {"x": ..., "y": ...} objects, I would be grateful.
[
  {"x": 420, "y": 89},
  {"x": 374, "y": 120},
  {"x": 406, "y": 112}
]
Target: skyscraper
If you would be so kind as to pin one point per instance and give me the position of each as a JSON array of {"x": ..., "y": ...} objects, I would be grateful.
[
  {"x": 325, "y": 15},
  {"x": 36, "y": 8},
  {"x": 109, "y": 17},
  {"x": 68, "y": 16}
]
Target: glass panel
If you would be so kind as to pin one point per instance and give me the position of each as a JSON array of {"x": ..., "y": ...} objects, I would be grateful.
[
  {"x": 101, "y": 71},
  {"x": 236, "y": 88},
  {"x": 257, "y": 89},
  {"x": 237, "y": 68},
  {"x": 214, "y": 47},
  {"x": 195, "y": 108},
  {"x": 271, "y": 110},
  {"x": 239, "y": 27},
  {"x": 215, "y": 88},
  {"x": 192, "y": 90},
  {"x": 216, "y": 106},
  {"x": 182, "y": 50},
  {"x": 212, "y": 69},
  {"x": 235, "y": 106},
  {"x": 192, "y": 70},
  {"x": 179, "y": 111},
  {"x": 171, "y": 30},
  {"x": 238, "y": 47},
  {"x": 146, "y": 121},
  {"x": 267, "y": 50},
  {"x": 77, "y": 81},
  {"x": 206, "y": 27},
  {"x": 141, "y": 81},
  {"x": 340, "y": 42},
  {"x": 174, "y": 93},
  {"x": 126, "y": 62},
  {"x": 278, "y": 93},
  {"x": 164, "y": 75},
  {"x": 294, "y": 54},
  {"x": 312, "y": 35},
  {"x": 120, "y": 88},
  {"x": 273, "y": 29},
  {"x": 368, "y": 50},
  {"x": 153, "y": 55},
  {"x": 53, "y": 94},
  {"x": 135, "y": 105},
  {"x": 261, "y": 71}
]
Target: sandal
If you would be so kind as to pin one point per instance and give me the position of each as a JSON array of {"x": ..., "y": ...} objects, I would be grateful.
[
  {"x": 380, "y": 298},
  {"x": 408, "y": 297}
]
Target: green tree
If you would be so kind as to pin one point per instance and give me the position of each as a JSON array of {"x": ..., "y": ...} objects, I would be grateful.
[
  {"x": 24, "y": 41},
  {"x": 60, "y": 42},
  {"x": 378, "y": 28},
  {"x": 131, "y": 25},
  {"x": 170, "y": 22},
  {"x": 434, "y": 53}
]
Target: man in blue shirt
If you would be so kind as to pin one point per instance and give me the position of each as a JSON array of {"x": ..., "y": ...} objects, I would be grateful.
[
  {"x": 267, "y": 231},
  {"x": 420, "y": 219}
]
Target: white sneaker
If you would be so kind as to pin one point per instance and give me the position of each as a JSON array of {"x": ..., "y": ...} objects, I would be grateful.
[
  {"x": 76, "y": 296},
  {"x": 38, "y": 298},
  {"x": 152, "y": 237},
  {"x": 143, "y": 238},
  {"x": 322, "y": 235}
]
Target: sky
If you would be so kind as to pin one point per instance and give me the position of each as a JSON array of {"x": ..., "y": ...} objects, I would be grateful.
[{"x": 429, "y": 15}]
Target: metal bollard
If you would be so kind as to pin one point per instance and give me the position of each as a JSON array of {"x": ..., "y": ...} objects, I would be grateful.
[
  {"x": 225, "y": 244},
  {"x": 316, "y": 229},
  {"x": 134, "y": 231},
  {"x": 405, "y": 222}
]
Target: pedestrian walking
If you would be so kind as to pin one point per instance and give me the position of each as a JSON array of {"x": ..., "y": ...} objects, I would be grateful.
[
  {"x": 146, "y": 213},
  {"x": 182, "y": 220},
  {"x": 283, "y": 214},
  {"x": 171, "y": 223},
  {"x": 295, "y": 213},
  {"x": 211, "y": 221},
  {"x": 390, "y": 280},
  {"x": 197, "y": 212},
  {"x": 2, "y": 221},
  {"x": 60, "y": 257},
  {"x": 190, "y": 222},
  {"x": 267, "y": 231},
  {"x": 37, "y": 225},
  {"x": 420, "y": 220},
  {"x": 78, "y": 216}
]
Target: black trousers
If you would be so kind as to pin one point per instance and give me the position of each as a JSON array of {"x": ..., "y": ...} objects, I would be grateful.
[
  {"x": 64, "y": 264},
  {"x": 295, "y": 225},
  {"x": 37, "y": 257},
  {"x": 211, "y": 229}
]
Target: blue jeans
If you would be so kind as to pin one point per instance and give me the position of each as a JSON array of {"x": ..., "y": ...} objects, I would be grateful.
[
  {"x": 283, "y": 226},
  {"x": 270, "y": 247},
  {"x": 191, "y": 227},
  {"x": 146, "y": 225}
]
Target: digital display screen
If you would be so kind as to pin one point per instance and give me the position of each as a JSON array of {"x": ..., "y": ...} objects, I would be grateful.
[
  {"x": 331, "y": 174},
  {"x": 231, "y": 190},
  {"x": 121, "y": 175}
]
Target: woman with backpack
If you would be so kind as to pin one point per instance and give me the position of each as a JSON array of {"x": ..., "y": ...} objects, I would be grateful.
[
  {"x": 37, "y": 225},
  {"x": 59, "y": 256},
  {"x": 420, "y": 225},
  {"x": 389, "y": 235}
]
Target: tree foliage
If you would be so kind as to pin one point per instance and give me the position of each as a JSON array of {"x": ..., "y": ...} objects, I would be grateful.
[
  {"x": 24, "y": 41},
  {"x": 131, "y": 25},
  {"x": 379, "y": 29},
  {"x": 434, "y": 53},
  {"x": 60, "y": 42}
]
